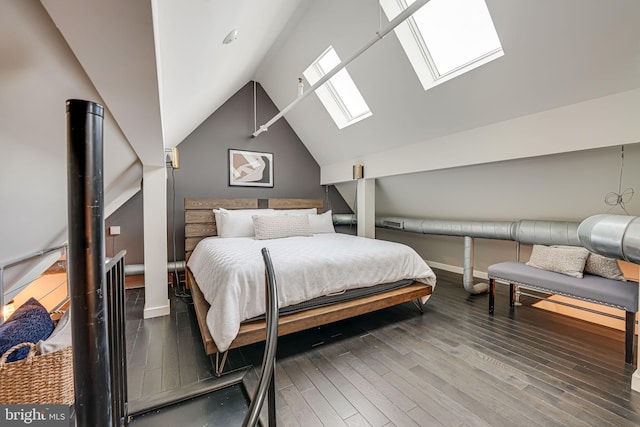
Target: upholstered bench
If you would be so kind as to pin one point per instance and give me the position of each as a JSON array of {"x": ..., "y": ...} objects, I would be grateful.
[{"x": 591, "y": 288}]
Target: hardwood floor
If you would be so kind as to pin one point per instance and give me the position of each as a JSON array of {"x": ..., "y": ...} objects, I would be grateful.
[{"x": 453, "y": 365}]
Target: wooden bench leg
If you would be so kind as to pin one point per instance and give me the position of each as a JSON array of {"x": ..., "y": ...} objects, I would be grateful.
[
  {"x": 629, "y": 336},
  {"x": 492, "y": 294}
]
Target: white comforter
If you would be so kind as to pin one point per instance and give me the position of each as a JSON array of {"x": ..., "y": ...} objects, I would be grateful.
[{"x": 230, "y": 273}]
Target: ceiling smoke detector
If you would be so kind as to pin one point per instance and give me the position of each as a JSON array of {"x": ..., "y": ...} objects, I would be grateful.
[{"x": 231, "y": 37}]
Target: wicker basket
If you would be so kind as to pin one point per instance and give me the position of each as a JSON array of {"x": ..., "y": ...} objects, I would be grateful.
[{"x": 37, "y": 379}]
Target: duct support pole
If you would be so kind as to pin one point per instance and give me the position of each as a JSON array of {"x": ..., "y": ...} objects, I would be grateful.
[
  {"x": 467, "y": 271},
  {"x": 86, "y": 267},
  {"x": 635, "y": 378},
  {"x": 366, "y": 207},
  {"x": 154, "y": 210},
  {"x": 516, "y": 288},
  {"x": 402, "y": 16}
]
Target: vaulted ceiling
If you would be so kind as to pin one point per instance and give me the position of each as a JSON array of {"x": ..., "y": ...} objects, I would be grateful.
[
  {"x": 162, "y": 69},
  {"x": 569, "y": 81},
  {"x": 160, "y": 66}
]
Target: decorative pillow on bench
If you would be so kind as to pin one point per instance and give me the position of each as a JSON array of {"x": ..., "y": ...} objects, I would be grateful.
[
  {"x": 569, "y": 260},
  {"x": 603, "y": 266}
]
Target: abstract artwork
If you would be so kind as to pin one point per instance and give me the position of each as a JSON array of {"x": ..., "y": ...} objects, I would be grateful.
[{"x": 250, "y": 168}]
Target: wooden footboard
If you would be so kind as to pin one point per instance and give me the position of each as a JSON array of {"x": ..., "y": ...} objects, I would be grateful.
[{"x": 255, "y": 331}]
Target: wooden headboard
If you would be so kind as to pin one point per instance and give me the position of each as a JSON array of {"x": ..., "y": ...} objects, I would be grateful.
[{"x": 199, "y": 221}]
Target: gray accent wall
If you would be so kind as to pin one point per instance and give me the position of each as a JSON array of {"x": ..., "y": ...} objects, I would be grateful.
[
  {"x": 129, "y": 218},
  {"x": 204, "y": 170}
]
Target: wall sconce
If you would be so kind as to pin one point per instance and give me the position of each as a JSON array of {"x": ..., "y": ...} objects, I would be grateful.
[
  {"x": 358, "y": 171},
  {"x": 8, "y": 310},
  {"x": 172, "y": 157}
]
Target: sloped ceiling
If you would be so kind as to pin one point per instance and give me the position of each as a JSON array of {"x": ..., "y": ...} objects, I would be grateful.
[
  {"x": 556, "y": 54},
  {"x": 198, "y": 72},
  {"x": 161, "y": 66},
  {"x": 162, "y": 69},
  {"x": 38, "y": 73}
]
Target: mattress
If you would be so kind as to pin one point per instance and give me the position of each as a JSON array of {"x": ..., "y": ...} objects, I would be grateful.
[
  {"x": 230, "y": 273},
  {"x": 348, "y": 295}
]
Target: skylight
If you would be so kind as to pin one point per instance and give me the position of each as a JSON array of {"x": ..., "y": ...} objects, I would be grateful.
[
  {"x": 446, "y": 38},
  {"x": 339, "y": 95}
]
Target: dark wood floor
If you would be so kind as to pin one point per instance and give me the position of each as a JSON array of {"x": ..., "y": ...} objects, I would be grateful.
[{"x": 453, "y": 365}]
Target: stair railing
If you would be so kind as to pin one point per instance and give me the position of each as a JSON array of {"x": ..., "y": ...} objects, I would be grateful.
[{"x": 266, "y": 382}]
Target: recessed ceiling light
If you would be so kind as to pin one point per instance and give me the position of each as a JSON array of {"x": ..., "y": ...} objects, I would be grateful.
[{"x": 233, "y": 34}]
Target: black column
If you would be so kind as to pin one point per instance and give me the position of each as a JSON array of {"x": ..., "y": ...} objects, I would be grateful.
[{"x": 86, "y": 266}]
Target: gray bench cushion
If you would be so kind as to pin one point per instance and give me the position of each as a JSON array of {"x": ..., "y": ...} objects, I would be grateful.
[{"x": 623, "y": 295}]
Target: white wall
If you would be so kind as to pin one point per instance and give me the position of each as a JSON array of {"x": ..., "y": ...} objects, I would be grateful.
[
  {"x": 601, "y": 122},
  {"x": 557, "y": 53},
  {"x": 567, "y": 187},
  {"x": 38, "y": 73}
]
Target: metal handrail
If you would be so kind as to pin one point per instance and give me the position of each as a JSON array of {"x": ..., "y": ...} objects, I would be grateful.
[
  {"x": 30, "y": 256},
  {"x": 266, "y": 382},
  {"x": 20, "y": 260}
]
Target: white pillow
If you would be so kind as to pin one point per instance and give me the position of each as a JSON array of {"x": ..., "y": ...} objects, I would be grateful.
[
  {"x": 309, "y": 211},
  {"x": 278, "y": 226},
  {"x": 216, "y": 214},
  {"x": 237, "y": 223},
  {"x": 60, "y": 337},
  {"x": 322, "y": 223}
]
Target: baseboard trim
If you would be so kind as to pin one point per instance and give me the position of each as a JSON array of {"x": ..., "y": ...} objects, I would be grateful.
[
  {"x": 162, "y": 310},
  {"x": 635, "y": 380},
  {"x": 455, "y": 269}
]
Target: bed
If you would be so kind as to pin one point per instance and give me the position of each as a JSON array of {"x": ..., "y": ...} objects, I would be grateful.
[{"x": 229, "y": 316}]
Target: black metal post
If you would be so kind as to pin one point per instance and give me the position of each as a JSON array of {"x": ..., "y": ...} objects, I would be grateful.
[
  {"x": 271, "y": 399},
  {"x": 117, "y": 340},
  {"x": 86, "y": 268}
]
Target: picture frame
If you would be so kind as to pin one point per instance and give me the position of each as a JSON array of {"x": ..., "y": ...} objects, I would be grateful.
[{"x": 250, "y": 168}]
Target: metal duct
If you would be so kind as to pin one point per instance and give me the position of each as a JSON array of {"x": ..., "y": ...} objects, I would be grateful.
[
  {"x": 502, "y": 230},
  {"x": 467, "y": 275},
  {"x": 344, "y": 219},
  {"x": 615, "y": 236},
  {"x": 136, "y": 269},
  {"x": 532, "y": 232},
  {"x": 524, "y": 231},
  {"x": 527, "y": 231}
]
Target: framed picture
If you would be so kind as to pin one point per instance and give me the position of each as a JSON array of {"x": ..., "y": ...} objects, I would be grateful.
[{"x": 250, "y": 168}]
